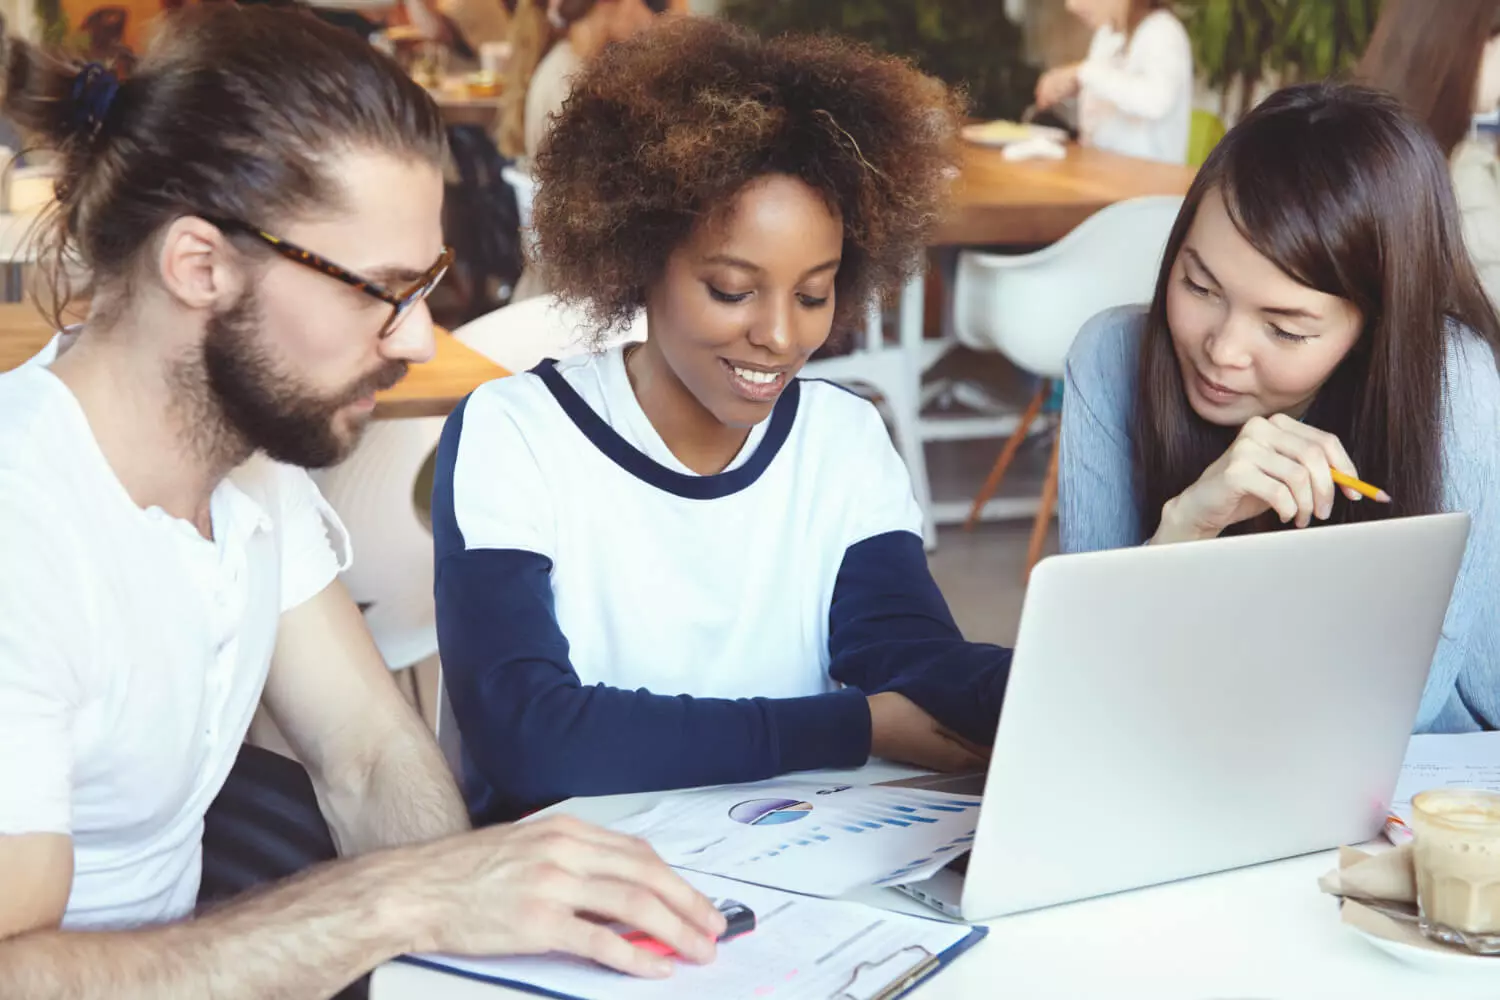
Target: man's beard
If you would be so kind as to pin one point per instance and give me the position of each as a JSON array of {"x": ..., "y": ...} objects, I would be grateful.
[{"x": 246, "y": 401}]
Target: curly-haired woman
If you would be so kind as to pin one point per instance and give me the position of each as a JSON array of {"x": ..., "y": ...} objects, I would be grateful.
[{"x": 676, "y": 563}]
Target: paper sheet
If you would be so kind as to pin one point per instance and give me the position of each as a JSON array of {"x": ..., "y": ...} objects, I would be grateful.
[
  {"x": 807, "y": 837},
  {"x": 1467, "y": 760},
  {"x": 802, "y": 949}
]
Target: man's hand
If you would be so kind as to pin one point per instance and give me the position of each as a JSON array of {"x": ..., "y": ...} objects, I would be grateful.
[
  {"x": 551, "y": 885},
  {"x": 517, "y": 890},
  {"x": 902, "y": 732}
]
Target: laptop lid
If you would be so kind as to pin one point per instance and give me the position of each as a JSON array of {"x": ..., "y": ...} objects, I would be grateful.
[{"x": 1184, "y": 709}]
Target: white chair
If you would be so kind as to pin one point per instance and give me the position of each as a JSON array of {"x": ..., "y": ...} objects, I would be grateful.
[
  {"x": 30, "y": 188},
  {"x": 374, "y": 492},
  {"x": 894, "y": 372},
  {"x": 1030, "y": 307},
  {"x": 449, "y": 741},
  {"x": 20, "y": 237},
  {"x": 525, "y": 187}
]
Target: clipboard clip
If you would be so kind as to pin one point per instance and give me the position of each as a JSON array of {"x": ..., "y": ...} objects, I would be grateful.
[{"x": 890, "y": 977}]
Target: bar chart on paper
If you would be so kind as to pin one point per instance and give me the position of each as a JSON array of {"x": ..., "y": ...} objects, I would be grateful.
[{"x": 824, "y": 840}]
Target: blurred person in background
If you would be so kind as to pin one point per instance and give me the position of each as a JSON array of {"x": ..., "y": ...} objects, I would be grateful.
[
  {"x": 463, "y": 25},
  {"x": 550, "y": 42},
  {"x": 548, "y": 48},
  {"x": 1446, "y": 70},
  {"x": 1135, "y": 86}
]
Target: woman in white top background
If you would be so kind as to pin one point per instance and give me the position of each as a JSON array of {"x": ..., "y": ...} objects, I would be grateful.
[
  {"x": 1135, "y": 86},
  {"x": 551, "y": 40},
  {"x": 1446, "y": 70}
]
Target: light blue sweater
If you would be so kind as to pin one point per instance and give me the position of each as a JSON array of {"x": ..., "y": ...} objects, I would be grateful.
[{"x": 1098, "y": 511}]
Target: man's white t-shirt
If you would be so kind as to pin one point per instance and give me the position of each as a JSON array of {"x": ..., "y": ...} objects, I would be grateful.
[{"x": 133, "y": 651}]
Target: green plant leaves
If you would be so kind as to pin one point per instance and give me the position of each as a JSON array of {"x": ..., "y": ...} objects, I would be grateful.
[
  {"x": 54, "y": 22},
  {"x": 1236, "y": 43},
  {"x": 968, "y": 43}
]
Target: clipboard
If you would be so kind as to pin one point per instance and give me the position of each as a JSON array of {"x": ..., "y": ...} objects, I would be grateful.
[
  {"x": 867, "y": 981},
  {"x": 880, "y": 985}
]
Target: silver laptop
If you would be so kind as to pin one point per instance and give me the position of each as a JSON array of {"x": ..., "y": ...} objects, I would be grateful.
[{"x": 1185, "y": 709}]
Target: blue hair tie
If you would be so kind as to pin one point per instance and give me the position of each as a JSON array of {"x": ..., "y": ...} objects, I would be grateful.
[{"x": 94, "y": 90}]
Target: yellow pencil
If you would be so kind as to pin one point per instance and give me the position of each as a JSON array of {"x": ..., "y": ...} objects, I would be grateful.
[{"x": 1363, "y": 489}]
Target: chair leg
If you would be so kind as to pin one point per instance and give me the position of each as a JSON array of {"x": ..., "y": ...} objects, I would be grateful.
[
  {"x": 1044, "y": 512},
  {"x": 1007, "y": 454}
]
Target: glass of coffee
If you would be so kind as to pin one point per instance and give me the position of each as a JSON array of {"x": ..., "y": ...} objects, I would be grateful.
[{"x": 1457, "y": 860}]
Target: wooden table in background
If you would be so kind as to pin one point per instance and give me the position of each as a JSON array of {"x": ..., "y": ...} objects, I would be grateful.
[
  {"x": 431, "y": 389},
  {"x": 434, "y": 388},
  {"x": 23, "y": 332},
  {"x": 1035, "y": 202},
  {"x": 457, "y": 110},
  {"x": 460, "y": 106}
]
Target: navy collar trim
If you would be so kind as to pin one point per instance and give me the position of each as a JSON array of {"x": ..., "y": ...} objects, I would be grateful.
[{"x": 648, "y": 470}]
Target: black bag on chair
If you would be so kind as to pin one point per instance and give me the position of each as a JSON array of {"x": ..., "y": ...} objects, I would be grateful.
[{"x": 482, "y": 223}]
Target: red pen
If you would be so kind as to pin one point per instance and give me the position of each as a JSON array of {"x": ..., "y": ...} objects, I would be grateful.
[{"x": 739, "y": 921}]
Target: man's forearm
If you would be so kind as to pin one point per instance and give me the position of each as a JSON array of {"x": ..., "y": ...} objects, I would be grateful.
[
  {"x": 405, "y": 796},
  {"x": 304, "y": 939}
]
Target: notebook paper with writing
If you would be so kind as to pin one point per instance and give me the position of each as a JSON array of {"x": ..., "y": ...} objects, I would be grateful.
[
  {"x": 803, "y": 948},
  {"x": 1457, "y": 760}
]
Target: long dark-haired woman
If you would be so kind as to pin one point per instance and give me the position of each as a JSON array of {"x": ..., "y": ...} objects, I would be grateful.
[{"x": 1316, "y": 310}]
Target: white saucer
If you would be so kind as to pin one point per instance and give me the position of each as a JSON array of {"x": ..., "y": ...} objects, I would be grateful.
[
  {"x": 976, "y": 134},
  {"x": 1430, "y": 960}
]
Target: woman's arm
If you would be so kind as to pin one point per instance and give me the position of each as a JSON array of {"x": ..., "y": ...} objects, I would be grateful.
[
  {"x": 1466, "y": 662},
  {"x": 537, "y": 734},
  {"x": 1097, "y": 507},
  {"x": 890, "y": 630}
]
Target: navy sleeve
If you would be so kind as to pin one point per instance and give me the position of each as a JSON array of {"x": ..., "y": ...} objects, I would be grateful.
[
  {"x": 890, "y": 630},
  {"x": 534, "y": 734}
]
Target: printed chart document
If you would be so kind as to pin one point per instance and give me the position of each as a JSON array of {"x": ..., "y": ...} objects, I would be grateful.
[
  {"x": 803, "y": 948},
  {"x": 1458, "y": 760},
  {"x": 808, "y": 837}
]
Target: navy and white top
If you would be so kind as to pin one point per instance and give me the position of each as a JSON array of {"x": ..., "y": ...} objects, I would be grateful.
[{"x": 612, "y": 622}]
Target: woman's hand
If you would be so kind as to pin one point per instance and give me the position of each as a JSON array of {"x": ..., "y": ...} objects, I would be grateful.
[
  {"x": 904, "y": 733},
  {"x": 1056, "y": 86},
  {"x": 1278, "y": 464}
]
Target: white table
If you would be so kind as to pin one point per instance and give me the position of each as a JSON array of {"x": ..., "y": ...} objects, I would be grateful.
[{"x": 1258, "y": 932}]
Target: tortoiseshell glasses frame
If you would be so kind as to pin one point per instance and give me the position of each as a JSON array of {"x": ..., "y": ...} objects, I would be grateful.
[{"x": 400, "y": 302}]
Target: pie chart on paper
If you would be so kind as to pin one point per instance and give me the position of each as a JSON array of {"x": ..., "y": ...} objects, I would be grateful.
[{"x": 770, "y": 812}]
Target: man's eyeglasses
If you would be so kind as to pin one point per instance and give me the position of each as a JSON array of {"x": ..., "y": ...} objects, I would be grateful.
[{"x": 401, "y": 302}]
